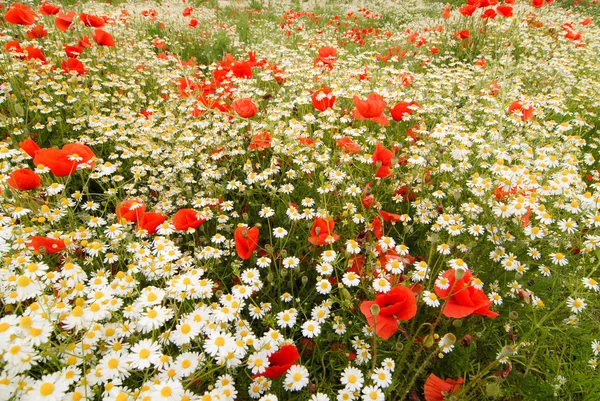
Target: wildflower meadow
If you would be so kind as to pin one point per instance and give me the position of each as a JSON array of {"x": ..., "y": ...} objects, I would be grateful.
[{"x": 326, "y": 200}]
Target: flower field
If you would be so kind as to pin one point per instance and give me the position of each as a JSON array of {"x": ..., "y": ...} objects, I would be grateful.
[{"x": 385, "y": 200}]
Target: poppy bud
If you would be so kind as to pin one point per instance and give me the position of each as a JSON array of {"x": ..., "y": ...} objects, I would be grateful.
[
  {"x": 459, "y": 273},
  {"x": 283, "y": 253},
  {"x": 507, "y": 351},
  {"x": 375, "y": 309},
  {"x": 270, "y": 277},
  {"x": 434, "y": 238},
  {"x": 304, "y": 280},
  {"x": 466, "y": 340},
  {"x": 493, "y": 390},
  {"x": 457, "y": 323},
  {"x": 513, "y": 315},
  {"x": 449, "y": 339}
]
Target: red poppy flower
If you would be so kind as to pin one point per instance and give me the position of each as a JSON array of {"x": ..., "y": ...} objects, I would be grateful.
[
  {"x": 306, "y": 141},
  {"x": 281, "y": 361},
  {"x": 13, "y": 46},
  {"x": 322, "y": 232},
  {"x": 246, "y": 241},
  {"x": 130, "y": 210},
  {"x": 586, "y": 22},
  {"x": 399, "y": 303},
  {"x": 103, "y": 38},
  {"x": 64, "y": 162},
  {"x": 73, "y": 51},
  {"x": 464, "y": 34},
  {"x": 193, "y": 23},
  {"x": 187, "y": 11},
  {"x": 36, "y": 32},
  {"x": 394, "y": 218},
  {"x": 402, "y": 109},
  {"x": 91, "y": 20},
  {"x": 261, "y": 140},
  {"x": 84, "y": 42},
  {"x": 383, "y": 157},
  {"x": 370, "y": 109},
  {"x": 33, "y": 53},
  {"x": 49, "y": 245},
  {"x": 322, "y": 99},
  {"x": 244, "y": 107},
  {"x": 24, "y": 179},
  {"x": 72, "y": 64},
  {"x": 572, "y": 34},
  {"x": 242, "y": 69},
  {"x": 348, "y": 145},
  {"x": 49, "y": 9},
  {"x": 326, "y": 57},
  {"x": 20, "y": 14},
  {"x": 467, "y": 10},
  {"x": 446, "y": 12},
  {"x": 327, "y": 52},
  {"x": 368, "y": 200},
  {"x": 185, "y": 219},
  {"x": 29, "y": 146},
  {"x": 80, "y": 153},
  {"x": 436, "y": 389},
  {"x": 464, "y": 299},
  {"x": 505, "y": 10},
  {"x": 489, "y": 13},
  {"x": 216, "y": 104},
  {"x": 150, "y": 221},
  {"x": 526, "y": 111},
  {"x": 64, "y": 20},
  {"x": 537, "y": 3},
  {"x": 377, "y": 227}
]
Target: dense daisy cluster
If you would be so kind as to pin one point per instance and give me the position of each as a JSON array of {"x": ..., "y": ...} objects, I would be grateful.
[{"x": 326, "y": 206}]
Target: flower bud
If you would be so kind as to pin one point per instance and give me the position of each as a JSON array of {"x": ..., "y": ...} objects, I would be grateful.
[
  {"x": 493, "y": 390},
  {"x": 459, "y": 273},
  {"x": 449, "y": 339},
  {"x": 304, "y": 280},
  {"x": 245, "y": 217},
  {"x": 513, "y": 315},
  {"x": 457, "y": 323},
  {"x": 375, "y": 309},
  {"x": 508, "y": 350}
]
